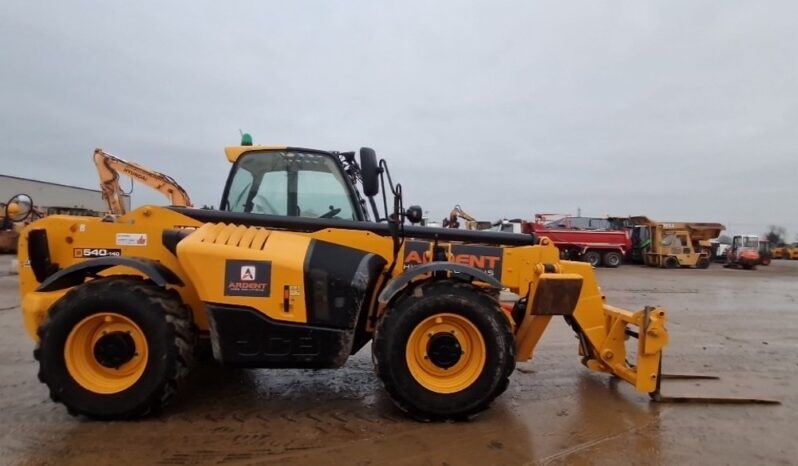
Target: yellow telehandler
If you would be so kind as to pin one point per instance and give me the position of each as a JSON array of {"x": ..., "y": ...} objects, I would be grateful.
[{"x": 300, "y": 268}]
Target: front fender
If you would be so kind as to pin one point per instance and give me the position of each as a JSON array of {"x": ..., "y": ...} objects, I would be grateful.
[{"x": 393, "y": 287}]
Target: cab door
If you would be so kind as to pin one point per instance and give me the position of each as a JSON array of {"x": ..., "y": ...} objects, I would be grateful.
[
  {"x": 688, "y": 256},
  {"x": 737, "y": 243}
]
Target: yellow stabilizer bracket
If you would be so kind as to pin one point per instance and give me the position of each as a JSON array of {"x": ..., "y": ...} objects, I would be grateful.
[
  {"x": 610, "y": 354},
  {"x": 602, "y": 329},
  {"x": 550, "y": 294}
]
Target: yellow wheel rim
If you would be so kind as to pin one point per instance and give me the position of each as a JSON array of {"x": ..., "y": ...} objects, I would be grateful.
[
  {"x": 106, "y": 353},
  {"x": 432, "y": 353}
]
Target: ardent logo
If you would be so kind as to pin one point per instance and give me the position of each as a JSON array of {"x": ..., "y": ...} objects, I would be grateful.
[
  {"x": 247, "y": 278},
  {"x": 248, "y": 273},
  {"x": 485, "y": 258}
]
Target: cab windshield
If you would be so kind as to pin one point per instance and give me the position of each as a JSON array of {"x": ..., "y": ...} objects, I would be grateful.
[
  {"x": 295, "y": 184},
  {"x": 750, "y": 242}
]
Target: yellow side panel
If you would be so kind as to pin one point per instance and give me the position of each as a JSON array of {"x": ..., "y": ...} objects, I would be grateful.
[
  {"x": 226, "y": 270},
  {"x": 35, "y": 307},
  {"x": 70, "y": 236}
]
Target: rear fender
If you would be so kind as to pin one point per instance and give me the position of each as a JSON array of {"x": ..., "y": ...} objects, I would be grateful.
[
  {"x": 37, "y": 304},
  {"x": 77, "y": 273}
]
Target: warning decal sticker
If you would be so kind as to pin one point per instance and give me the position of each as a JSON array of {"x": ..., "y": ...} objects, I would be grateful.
[{"x": 131, "y": 239}]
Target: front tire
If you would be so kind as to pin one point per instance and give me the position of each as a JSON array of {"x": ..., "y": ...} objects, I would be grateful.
[
  {"x": 115, "y": 348},
  {"x": 671, "y": 262},
  {"x": 444, "y": 351}
]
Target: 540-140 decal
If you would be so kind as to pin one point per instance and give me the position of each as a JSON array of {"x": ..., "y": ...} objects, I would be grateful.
[{"x": 95, "y": 252}]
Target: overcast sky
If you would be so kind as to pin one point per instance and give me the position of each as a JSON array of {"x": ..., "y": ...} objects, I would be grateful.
[{"x": 676, "y": 110}]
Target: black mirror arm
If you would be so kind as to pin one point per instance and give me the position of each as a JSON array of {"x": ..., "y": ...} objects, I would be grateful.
[
  {"x": 396, "y": 221},
  {"x": 384, "y": 196},
  {"x": 384, "y": 169},
  {"x": 375, "y": 209}
]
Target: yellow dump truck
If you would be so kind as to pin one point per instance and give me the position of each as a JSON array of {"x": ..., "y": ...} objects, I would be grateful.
[{"x": 674, "y": 244}]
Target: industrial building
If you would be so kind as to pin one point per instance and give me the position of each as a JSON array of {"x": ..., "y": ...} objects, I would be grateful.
[{"x": 47, "y": 195}]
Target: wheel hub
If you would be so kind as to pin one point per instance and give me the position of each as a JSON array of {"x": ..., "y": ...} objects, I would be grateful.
[
  {"x": 445, "y": 353},
  {"x": 114, "y": 349},
  {"x": 444, "y": 350},
  {"x": 106, "y": 352}
]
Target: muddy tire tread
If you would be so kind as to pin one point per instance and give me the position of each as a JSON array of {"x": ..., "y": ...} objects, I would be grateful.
[
  {"x": 429, "y": 290},
  {"x": 179, "y": 321}
]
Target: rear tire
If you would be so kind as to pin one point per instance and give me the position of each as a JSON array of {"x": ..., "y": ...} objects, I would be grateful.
[
  {"x": 115, "y": 348},
  {"x": 444, "y": 351},
  {"x": 703, "y": 263},
  {"x": 671, "y": 262},
  {"x": 592, "y": 257},
  {"x": 612, "y": 259}
]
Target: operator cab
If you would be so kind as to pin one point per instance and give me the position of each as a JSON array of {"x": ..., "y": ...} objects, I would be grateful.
[
  {"x": 745, "y": 242},
  {"x": 296, "y": 182},
  {"x": 292, "y": 182}
]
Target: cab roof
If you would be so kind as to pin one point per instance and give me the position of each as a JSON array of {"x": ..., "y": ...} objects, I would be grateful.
[{"x": 234, "y": 152}]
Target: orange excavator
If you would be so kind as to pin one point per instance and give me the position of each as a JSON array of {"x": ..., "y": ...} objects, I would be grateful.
[
  {"x": 470, "y": 222},
  {"x": 109, "y": 167}
]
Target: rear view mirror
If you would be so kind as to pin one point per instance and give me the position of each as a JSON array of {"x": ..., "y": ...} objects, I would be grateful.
[
  {"x": 19, "y": 208},
  {"x": 369, "y": 171}
]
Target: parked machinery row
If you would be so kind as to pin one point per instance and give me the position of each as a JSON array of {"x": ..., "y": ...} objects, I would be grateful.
[
  {"x": 785, "y": 251},
  {"x": 610, "y": 241}
]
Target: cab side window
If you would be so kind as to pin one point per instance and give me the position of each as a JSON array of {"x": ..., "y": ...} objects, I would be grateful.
[{"x": 290, "y": 183}]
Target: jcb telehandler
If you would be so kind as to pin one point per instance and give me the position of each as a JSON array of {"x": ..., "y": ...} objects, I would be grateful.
[{"x": 298, "y": 268}]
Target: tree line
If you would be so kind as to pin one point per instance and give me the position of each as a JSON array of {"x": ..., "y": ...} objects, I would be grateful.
[{"x": 777, "y": 235}]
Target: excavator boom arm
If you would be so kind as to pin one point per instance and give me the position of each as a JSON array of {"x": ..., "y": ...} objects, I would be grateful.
[
  {"x": 108, "y": 169},
  {"x": 458, "y": 212}
]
